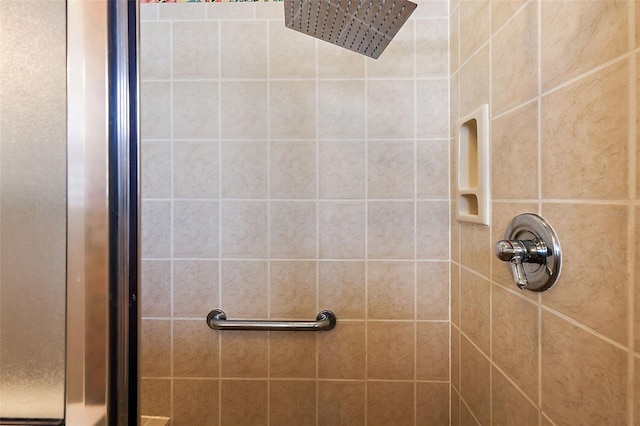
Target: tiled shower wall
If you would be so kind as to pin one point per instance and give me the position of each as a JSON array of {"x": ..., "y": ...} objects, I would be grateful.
[
  {"x": 282, "y": 176},
  {"x": 561, "y": 80}
]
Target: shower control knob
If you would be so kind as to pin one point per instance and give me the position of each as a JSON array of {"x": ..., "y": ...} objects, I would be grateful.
[
  {"x": 516, "y": 252},
  {"x": 533, "y": 251}
]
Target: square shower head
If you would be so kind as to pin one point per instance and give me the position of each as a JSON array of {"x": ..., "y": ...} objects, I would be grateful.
[{"x": 363, "y": 26}]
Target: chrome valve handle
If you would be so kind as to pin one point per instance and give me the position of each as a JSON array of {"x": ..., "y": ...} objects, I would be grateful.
[
  {"x": 533, "y": 251},
  {"x": 517, "y": 252}
]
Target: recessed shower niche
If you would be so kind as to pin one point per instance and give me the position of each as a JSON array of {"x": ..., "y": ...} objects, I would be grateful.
[{"x": 472, "y": 186}]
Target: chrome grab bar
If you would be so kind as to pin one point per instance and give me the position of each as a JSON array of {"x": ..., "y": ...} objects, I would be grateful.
[{"x": 217, "y": 320}]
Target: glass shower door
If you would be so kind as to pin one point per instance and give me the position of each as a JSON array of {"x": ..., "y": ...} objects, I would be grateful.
[{"x": 32, "y": 209}]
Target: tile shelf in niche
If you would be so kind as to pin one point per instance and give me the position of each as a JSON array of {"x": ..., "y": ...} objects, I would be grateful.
[{"x": 472, "y": 179}]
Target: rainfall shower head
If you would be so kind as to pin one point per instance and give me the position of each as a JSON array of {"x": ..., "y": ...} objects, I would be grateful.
[{"x": 363, "y": 26}]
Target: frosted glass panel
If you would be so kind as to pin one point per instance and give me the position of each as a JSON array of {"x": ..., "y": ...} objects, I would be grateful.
[{"x": 32, "y": 208}]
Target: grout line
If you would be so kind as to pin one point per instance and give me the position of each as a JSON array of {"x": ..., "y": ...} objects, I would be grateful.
[
  {"x": 366, "y": 238},
  {"x": 632, "y": 248},
  {"x": 269, "y": 110},
  {"x": 220, "y": 214},
  {"x": 172, "y": 216},
  {"x": 317, "y": 264},
  {"x": 415, "y": 226}
]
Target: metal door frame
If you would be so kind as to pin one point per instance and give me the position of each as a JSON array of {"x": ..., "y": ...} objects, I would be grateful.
[{"x": 102, "y": 380}]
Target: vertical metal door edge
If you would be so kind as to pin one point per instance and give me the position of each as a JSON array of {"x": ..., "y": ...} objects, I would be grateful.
[
  {"x": 87, "y": 363},
  {"x": 123, "y": 220}
]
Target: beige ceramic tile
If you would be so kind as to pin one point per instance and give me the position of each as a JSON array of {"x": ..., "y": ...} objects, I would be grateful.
[
  {"x": 475, "y": 248},
  {"x": 390, "y": 230},
  {"x": 195, "y": 169},
  {"x": 336, "y": 62},
  {"x": 178, "y": 12},
  {"x": 195, "y": 402},
  {"x": 433, "y": 230},
  {"x": 432, "y": 404},
  {"x": 432, "y": 169},
  {"x": 474, "y": 25},
  {"x": 292, "y": 292},
  {"x": 636, "y": 390},
  {"x": 454, "y": 42},
  {"x": 156, "y": 288},
  {"x": 432, "y": 291},
  {"x": 291, "y": 54},
  {"x": 243, "y": 112},
  {"x": 292, "y": 169},
  {"x": 592, "y": 287},
  {"x": 433, "y": 98},
  {"x": 244, "y": 229},
  {"x": 454, "y": 226},
  {"x": 156, "y": 170},
  {"x": 455, "y": 357},
  {"x": 195, "y": 110},
  {"x": 341, "y": 288},
  {"x": 509, "y": 407},
  {"x": 432, "y": 44},
  {"x": 148, "y": 12},
  {"x": 391, "y": 351},
  {"x": 155, "y": 45},
  {"x": 195, "y": 349},
  {"x": 268, "y": 10},
  {"x": 466, "y": 416},
  {"x": 390, "y": 403},
  {"x": 515, "y": 135},
  {"x": 584, "y": 379},
  {"x": 341, "y": 113},
  {"x": 390, "y": 109},
  {"x": 244, "y": 354},
  {"x": 431, "y": 9},
  {"x": 292, "y": 403},
  {"x": 195, "y": 229},
  {"x": 156, "y": 229},
  {"x": 155, "y": 397},
  {"x": 577, "y": 36},
  {"x": 592, "y": 113},
  {"x": 195, "y": 287},
  {"x": 244, "y": 402},
  {"x": 155, "y": 353},
  {"x": 292, "y": 106},
  {"x": 225, "y": 10},
  {"x": 514, "y": 62},
  {"x": 390, "y": 167},
  {"x": 155, "y": 110},
  {"x": 342, "y": 229},
  {"x": 455, "y": 408},
  {"x": 341, "y": 403},
  {"x": 341, "y": 169},
  {"x": 397, "y": 60},
  {"x": 432, "y": 351},
  {"x": 637, "y": 284},
  {"x": 455, "y": 293},
  {"x": 502, "y": 11},
  {"x": 474, "y": 81},
  {"x": 246, "y": 59},
  {"x": 194, "y": 59},
  {"x": 244, "y": 169},
  {"x": 514, "y": 343},
  {"x": 292, "y": 355},
  {"x": 474, "y": 384},
  {"x": 503, "y": 214},
  {"x": 475, "y": 309},
  {"x": 245, "y": 289},
  {"x": 346, "y": 359},
  {"x": 293, "y": 229},
  {"x": 391, "y": 290}
]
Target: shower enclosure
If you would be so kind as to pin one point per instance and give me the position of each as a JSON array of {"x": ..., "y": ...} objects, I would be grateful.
[{"x": 68, "y": 213}]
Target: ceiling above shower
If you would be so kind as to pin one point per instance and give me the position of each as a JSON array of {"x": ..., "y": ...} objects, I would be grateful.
[{"x": 363, "y": 26}]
